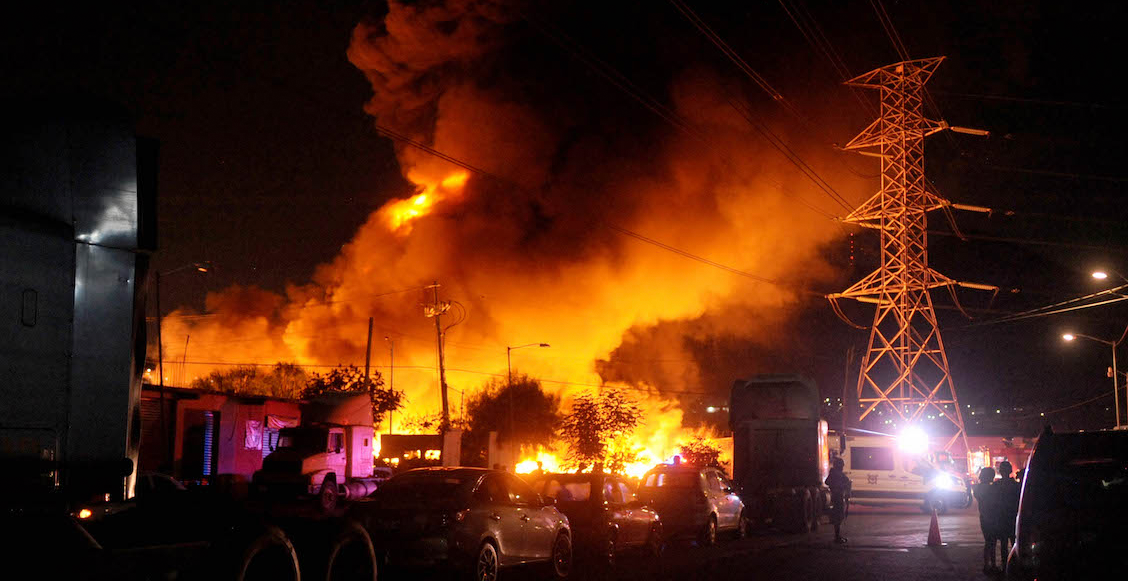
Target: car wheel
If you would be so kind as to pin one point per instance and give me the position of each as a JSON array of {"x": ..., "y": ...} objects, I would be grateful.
[
  {"x": 608, "y": 553},
  {"x": 708, "y": 535},
  {"x": 486, "y": 566},
  {"x": 327, "y": 496},
  {"x": 743, "y": 526},
  {"x": 561, "y": 557},
  {"x": 655, "y": 545}
]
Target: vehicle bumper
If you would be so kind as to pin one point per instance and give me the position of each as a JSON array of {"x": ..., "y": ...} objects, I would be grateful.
[
  {"x": 683, "y": 525},
  {"x": 438, "y": 551}
]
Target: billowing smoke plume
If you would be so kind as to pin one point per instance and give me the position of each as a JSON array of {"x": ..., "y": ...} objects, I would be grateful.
[{"x": 533, "y": 250}]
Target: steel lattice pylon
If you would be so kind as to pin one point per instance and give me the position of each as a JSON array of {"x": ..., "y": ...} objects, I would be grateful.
[{"x": 905, "y": 365}]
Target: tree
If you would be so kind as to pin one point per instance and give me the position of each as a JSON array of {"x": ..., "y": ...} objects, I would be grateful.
[
  {"x": 535, "y": 414},
  {"x": 351, "y": 379},
  {"x": 598, "y": 428},
  {"x": 283, "y": 380},
  {"x": 699, "y": 451}
]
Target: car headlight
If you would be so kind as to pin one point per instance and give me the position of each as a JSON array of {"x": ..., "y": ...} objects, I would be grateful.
[{"x": 945, "y": 482}]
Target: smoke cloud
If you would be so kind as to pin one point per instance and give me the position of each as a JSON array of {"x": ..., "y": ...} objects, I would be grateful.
[{"x": 526, "y": 253}]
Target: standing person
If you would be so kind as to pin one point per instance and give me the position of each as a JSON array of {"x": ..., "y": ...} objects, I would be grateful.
[
  {"x": 839, "y": 485},
  {"x": 986, "y": 497},
  {"x": 1007, "y": 494}
]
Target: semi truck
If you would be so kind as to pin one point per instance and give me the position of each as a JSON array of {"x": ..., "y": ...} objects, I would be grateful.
[
  {"x": 330, "y": 455},
  {"x": 780, "y": 454},
  {"x": 77, "y": 231}
]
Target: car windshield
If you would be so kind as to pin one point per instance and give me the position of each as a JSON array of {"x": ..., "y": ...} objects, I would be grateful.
[
  {"x": 670, "y": 480},
  {"x": 303, "y": 439},
  {"x": 564, "y": 489},
  {"x": 428, "y": 485}
]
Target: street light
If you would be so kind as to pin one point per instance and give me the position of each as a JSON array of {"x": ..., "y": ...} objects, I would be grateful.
[
  {"x": 1115, "y": 383},
  {"x": 509, "y": 364},
  {"x": 1104, "y": 274},
  {"x": 200, "y": 267}
]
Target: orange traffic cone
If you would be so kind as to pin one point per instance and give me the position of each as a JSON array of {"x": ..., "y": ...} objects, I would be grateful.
[{"x": 934, "y": 531}]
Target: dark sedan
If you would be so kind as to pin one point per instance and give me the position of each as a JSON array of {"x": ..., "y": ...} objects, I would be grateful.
[
  {"x": 469, "y": 519},
  {"x": 605, "y": 515}
]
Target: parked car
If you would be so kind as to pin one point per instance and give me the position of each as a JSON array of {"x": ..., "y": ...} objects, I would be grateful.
[
  {"x": 467, "y": 519},
  {"x": 604, "y": 513},
  {"x": 1073, "y": 507},
  {"x": 693, "y": 502}
]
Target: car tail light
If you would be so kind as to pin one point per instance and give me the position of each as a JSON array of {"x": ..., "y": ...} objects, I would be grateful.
[{"x": 448, "y": 519}]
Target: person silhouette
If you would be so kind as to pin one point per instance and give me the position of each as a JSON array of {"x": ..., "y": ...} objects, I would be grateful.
[{"x": 839, "y": 485}]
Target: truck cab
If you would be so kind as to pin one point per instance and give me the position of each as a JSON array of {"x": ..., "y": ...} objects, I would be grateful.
[
  {"x": 885, "y": 474},
  {"x": 323, "y": 458}
]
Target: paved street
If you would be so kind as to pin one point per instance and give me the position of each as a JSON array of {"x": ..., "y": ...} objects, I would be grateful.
[{"x": 883, "y": 543}]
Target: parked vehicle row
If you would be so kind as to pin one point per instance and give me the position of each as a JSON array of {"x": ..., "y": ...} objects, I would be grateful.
[{"x": 477, "y": 521}]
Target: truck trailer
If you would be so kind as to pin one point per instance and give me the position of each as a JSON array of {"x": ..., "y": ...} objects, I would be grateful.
[
  {"x": 77, "y": 230},
  {"x": 780, "y": 455}
]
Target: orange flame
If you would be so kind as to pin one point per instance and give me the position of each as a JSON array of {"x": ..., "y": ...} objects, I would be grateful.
[{"x": 399, "y": 214}]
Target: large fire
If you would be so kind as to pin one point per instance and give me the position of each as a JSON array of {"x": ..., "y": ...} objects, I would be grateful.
[{"x": 534, "y": 262}]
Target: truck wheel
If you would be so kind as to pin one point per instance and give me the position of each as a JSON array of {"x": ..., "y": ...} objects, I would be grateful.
[
  {"x": 816, "y": 510},
  {"x": 259, "y": 554},
  {"x": 327, "y": 496},
  {"x": 336, "y": 552}
]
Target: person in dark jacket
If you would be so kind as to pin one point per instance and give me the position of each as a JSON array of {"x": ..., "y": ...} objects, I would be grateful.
[
  {"x": 1007, "y": 495},
  {"x": 986, "y": 497},
  {"x": 839, "y": 485}
]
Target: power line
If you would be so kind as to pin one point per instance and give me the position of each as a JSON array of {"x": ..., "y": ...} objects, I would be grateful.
[
  {"x": 736, "y": 59},
  {"x": 703, "y": 260}
]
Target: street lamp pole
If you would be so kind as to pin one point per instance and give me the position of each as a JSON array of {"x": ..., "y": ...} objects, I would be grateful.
[
  {"x": 1115, "y": 372},
  {"x": 509, "y": 382},
  {"x": 201, "y": 267}
]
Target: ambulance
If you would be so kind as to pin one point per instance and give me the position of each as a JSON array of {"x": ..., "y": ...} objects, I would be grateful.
[{"x": 888, "y": 470}]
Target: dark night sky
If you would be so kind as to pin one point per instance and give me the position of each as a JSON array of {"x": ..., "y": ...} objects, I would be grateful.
[{"x": 259, "y": 116}]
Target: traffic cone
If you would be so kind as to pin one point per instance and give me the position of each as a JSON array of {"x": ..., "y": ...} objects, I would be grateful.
[{"x": 934, "y": 531}]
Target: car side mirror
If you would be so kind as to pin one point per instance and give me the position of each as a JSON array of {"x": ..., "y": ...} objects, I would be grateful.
[
  {"x": 636, "y": 504},
  {"x": 547, "y": 500},
  {"x": 728, "y": 490}
]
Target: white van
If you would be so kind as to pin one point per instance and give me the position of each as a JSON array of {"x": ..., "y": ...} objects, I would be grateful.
[{"x": 884, "y": 474}]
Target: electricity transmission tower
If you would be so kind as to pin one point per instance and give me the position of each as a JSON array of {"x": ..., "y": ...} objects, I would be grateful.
[{"x": 905, "y": 366}]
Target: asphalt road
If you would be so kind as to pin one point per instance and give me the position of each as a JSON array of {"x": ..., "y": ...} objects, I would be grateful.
[{"x": 884, "y": 543}]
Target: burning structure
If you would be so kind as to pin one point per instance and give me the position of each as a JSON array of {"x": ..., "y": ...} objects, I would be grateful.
[{"x": 550, "y": 208}]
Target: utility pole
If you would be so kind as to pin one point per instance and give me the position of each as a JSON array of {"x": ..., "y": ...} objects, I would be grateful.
[
  {"x": 184, "y": 360},
  {"x": 368, "y": 350},
  {"x": 391, "y": 375},
  {"x": 435, "y": 310},
  {"x": 905, "y": 366}
]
